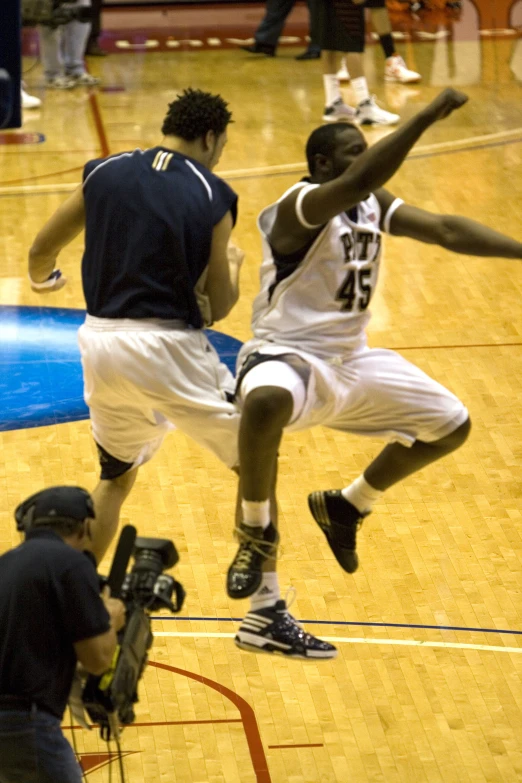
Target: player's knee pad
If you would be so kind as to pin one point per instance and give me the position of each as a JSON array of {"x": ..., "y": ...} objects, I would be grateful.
[
  {"x": 111, "y": 468},
  {"x": 280, "y": 374}
]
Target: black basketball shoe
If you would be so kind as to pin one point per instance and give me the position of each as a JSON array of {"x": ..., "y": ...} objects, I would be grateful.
[
  {"x": 339, "y": 520},
  {"x": 274, "y": 630},
  {"x": 255, "y": 546}
]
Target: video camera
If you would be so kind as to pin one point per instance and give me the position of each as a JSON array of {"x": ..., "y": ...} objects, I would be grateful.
[
  {"x": 53, "y": 13},
  {"x": 109, "y": 700}
]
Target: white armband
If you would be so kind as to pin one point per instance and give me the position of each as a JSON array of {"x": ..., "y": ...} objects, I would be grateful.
[
  {"x": 391, "y": 211},
  {"x": 49, "y": 283},
  {"x": 299, "y": 207}
]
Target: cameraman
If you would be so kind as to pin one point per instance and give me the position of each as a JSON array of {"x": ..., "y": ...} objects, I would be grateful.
[{"x": 51, "y": 616}]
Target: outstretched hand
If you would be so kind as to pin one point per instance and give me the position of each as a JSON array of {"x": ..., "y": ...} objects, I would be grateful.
[
  {"x": 235, "y": 254},
  {"x": 446, "y": 102}
]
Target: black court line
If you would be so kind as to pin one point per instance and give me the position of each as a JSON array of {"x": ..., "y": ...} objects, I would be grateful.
[{"x": 350, "y": 622}]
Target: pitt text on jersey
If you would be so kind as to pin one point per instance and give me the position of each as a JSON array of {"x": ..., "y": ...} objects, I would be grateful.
[{"x": 361, "y": 248}]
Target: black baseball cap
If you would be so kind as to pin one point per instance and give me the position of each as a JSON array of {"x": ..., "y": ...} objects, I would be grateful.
[{"x": 54, "y": 504}]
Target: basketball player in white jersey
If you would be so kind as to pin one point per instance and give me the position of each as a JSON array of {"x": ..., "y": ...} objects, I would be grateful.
[{"x": 308, "y": 363}]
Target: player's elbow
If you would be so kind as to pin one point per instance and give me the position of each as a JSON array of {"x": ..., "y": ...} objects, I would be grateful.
[
  {"x": 447, "y": 232},
  {"x": 223, "y": 304}
]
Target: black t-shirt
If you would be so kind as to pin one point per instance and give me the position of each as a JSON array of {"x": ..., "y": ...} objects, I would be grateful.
[
  {"x": 149, "y": 218},
  {"x": 49, "y": 599}
]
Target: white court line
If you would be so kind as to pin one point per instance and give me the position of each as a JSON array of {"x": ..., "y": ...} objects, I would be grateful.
[
  {"x": 282, "y": 168},
  {"x": 353, "y": 640}
]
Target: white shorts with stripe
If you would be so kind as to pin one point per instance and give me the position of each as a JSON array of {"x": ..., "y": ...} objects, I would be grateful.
[
  {"x": 145, "y": 378},
  {"x": 375, "y": 392}
]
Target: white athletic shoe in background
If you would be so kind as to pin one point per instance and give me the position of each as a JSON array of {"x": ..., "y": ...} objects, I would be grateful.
[
  {"x": 395, "y": 70},
  {"x": 342, "y": 73},
  {"x": 339, "y": 112},
  {"x": 368, "y": 113},
  {"x": 29, "y": 101}
]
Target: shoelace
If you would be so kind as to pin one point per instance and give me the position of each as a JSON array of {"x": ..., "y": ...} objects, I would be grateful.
[
  {"x": 289, "y": 599},
  {"x": 251, "y": 544}
]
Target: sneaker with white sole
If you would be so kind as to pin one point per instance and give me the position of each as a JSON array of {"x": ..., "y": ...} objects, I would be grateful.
[
  {"x": 85, "y": 80},
  {"x": 339, "y": 112},
  {"x": 342, "y": 73},
  {"x": 274, "y": 630},
  {"x": 60, "y": 83},
  {"x": 395, "y": 70},
  {"x": 29, "y": 101},
  {"x": 368, "y": 113}
]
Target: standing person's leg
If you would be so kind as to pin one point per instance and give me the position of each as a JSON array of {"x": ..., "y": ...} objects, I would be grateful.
[
  {"x": 50, "y": 39},
  {"x": 271, "y": 27},
  {"x": 340, "y": 28},
  {"x": 55, "y": 757},
  {"x": 395, "y": 69},
  {"x": 396, "y": 399},
  {"x": 75, "y": 38},
  {"x": 313, "y": 52},
  {"x": 272, "y": 395},
  {"x": 17, "y": 747},
  {"x": 93, "y": 45}
]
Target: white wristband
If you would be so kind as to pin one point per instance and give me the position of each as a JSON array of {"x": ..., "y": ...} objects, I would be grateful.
[{"x": 49, "y": 283}]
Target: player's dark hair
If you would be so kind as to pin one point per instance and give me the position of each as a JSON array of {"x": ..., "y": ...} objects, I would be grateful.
[
  {"x": 322, "y": 141},
  {"x": 194, "y": 113}
]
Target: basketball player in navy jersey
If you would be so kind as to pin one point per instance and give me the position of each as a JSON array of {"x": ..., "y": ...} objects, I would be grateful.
[
  {"x": 308, "y": 363},
  {"x": 157, "y": 268}
]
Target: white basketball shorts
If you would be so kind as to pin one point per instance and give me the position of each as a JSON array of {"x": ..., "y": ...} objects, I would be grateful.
[
  {"x": 142, "y": 379},
  {"x": 376, "y": 392}
]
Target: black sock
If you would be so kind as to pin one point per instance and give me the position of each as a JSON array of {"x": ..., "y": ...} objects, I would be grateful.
[{"x": 387, "y": 44}]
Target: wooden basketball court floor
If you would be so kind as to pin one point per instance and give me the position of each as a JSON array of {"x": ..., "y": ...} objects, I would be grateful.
[{"x": 427, "y": 685}]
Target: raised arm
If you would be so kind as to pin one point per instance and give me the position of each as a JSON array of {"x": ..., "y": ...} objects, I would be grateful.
[
  {"x": 60, "y": 229},
  {"x": 369, "y": 171},
  {"x": 452, "y": 232}
]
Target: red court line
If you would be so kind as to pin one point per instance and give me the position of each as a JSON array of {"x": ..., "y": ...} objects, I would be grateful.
[
  {"x": 305, "y": 745},
  {"x": 40, "y": 176},
  {"x": 255, "y": 746},
  {"x": 102, "y": 138},
  {"x": 98, "y": 123}
]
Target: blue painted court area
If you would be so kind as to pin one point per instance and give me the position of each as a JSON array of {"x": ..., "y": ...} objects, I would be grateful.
[{"x": 40, "y": 368}]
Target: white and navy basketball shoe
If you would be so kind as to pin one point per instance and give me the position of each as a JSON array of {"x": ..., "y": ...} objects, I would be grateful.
[
  {"x": 369, "y": 113},
  {"x": 339, "y": 520},
  {"x": 339, "y": 111},
  {"x": 255, "y": 546},
  {"x": 395, "y": 70},
  {"x": 274, "y": 630}
]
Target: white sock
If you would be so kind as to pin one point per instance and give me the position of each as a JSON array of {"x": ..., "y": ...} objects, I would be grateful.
[
  {"x": 332, "y": 92},
  {"x": 361, "y": 494},
  {"x": 256, "y": 514},
  {"x": 267, "y": 593},
  {"x": 360, "y": 89}
]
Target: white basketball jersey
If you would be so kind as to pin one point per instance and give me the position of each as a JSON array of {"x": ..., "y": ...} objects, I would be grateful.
[{"x": 322, "y": 305}]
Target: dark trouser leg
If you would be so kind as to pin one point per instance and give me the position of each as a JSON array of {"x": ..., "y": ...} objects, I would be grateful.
[
  {"x": 33, "y": 749},
  {"x": 313, "y": 46},
  {"x": 96, "y": 22},
  {"x": 273, "y": 22}
]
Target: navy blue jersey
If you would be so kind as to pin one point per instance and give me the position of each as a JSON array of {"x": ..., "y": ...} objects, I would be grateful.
[{"x": 149, "y": 217}]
